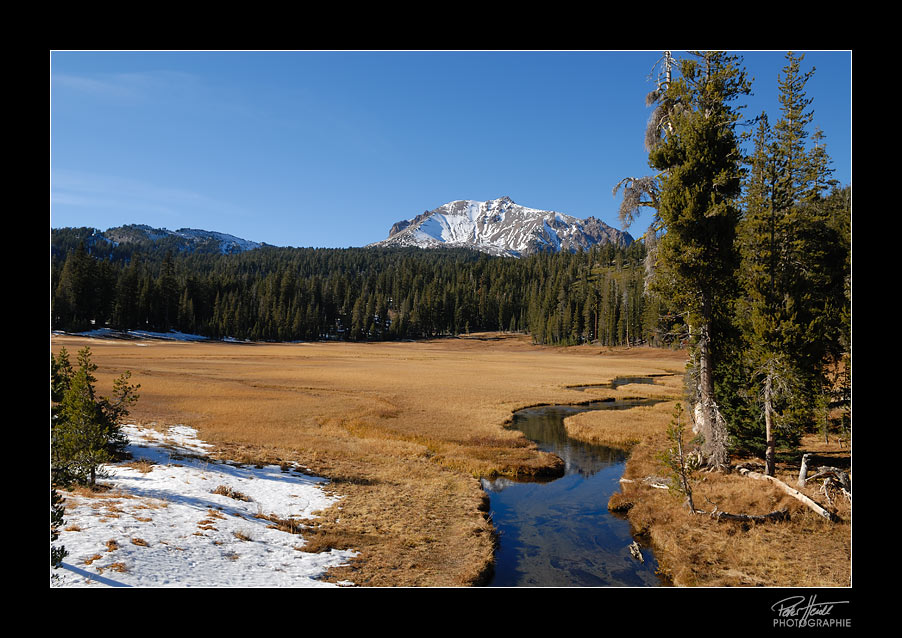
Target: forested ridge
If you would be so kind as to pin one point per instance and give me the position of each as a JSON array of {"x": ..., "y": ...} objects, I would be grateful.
[{"x": 357, "y": 294}]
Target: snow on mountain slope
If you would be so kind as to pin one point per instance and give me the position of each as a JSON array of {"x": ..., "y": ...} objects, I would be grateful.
[
  {"x": 501, "y": 227},
  {"x": 228, "y": 243},
  {"x": 190, "y": 238}
]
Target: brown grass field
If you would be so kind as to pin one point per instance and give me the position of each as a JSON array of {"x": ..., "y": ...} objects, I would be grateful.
[{"x": 404, "y": 431}]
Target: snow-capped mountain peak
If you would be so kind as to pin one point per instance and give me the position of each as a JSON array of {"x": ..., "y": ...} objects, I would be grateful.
[{"x": 501, "y": 227}]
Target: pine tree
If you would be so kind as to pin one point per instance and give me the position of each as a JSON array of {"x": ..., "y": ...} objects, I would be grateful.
[
  {"x": 85, "y": 429},
  {"x": 125, "y": 306},
  {"x": 677, "y": 461},
  {"x": 792, "y": 269},
  {"x": 168, "y": 295},
  {"x": 791, "y": 132},
  {"x": 695, "y": 195},
  {"x": 73, "y": 297},
  {"x": 57, "y": 512},
  {"x": 761, "y": 232},
  {"x": 186, "y": 321}
]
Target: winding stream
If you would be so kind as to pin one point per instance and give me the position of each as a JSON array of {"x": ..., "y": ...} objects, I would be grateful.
[{"x": 560, "y": 533}]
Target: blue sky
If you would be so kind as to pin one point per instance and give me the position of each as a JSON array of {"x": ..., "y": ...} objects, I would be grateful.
[{"x": 329, "y": 149}]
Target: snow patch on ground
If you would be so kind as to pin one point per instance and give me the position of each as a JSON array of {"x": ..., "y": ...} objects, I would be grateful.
[
  {"x": 172, "y": 335},
  {"x": 141, "y": 337},
  {"x": 180, "y": 520}
]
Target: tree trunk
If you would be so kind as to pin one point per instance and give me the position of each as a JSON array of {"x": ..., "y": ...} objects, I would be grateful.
[
  {"x": 803, "y": 471},
  {"x": 778, "y": 515},
  {"x": 814, "y": 506},
  {"x": 768, "y": 425},
  {"x": 708, "y": 424}
]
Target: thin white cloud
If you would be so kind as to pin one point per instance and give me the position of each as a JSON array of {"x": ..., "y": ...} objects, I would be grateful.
[
  {"x": 105, "y": 192},
  {"x": 95, "y": 86},
  {"x": 137, "y": 86}
]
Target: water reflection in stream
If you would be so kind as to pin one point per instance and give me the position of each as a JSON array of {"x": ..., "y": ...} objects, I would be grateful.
[{"x": 560, "y": 533}]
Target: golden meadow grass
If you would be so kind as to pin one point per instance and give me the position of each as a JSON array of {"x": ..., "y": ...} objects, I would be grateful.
[
  {"x": 625, "y": 428},
  {"x": 404, "y": 430}
]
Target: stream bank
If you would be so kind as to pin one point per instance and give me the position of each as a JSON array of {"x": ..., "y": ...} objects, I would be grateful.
[{"x": 559, "y": 532}]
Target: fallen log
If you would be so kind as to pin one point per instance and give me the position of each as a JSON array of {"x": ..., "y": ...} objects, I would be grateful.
[
  {"x": 778, "y": 515},
  {"x": 830, "y": 516},
  {"x": 652, "y": 481}
]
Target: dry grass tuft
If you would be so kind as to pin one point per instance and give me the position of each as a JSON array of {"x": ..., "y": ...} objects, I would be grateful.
[
  {"x": 225, "y": 490},
  {"x": 288, "y": 525},
  {"x": 141, "y": 465}
]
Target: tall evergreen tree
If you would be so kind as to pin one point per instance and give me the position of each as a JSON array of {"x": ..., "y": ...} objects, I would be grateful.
[
  {"x": 73, "y": 300},
  {"x": 696, "y": 199},
  {"x": 792, "y": 270},
  {"x": 761, "y": 231},
  {"x": 167, "y": 295},
  {"x": 125, "y": 307}
]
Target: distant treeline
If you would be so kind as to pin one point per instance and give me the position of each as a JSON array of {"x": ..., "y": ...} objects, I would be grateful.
[{"x": 355, "y": 294}]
